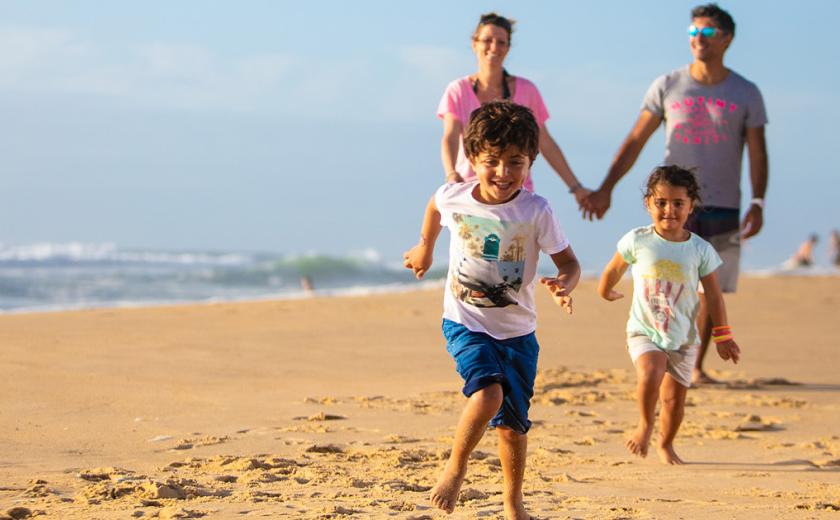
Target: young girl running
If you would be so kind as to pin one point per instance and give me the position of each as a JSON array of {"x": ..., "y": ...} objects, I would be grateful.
[{"x": 662, "y": 336}]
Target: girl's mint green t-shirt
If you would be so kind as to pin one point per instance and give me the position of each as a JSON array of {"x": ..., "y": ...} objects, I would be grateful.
[{"x": 665, "y": 281}]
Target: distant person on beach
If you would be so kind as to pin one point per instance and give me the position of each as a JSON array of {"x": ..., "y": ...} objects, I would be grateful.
[
  {"x": 491, "y": 42},
  {"x": 306, "y": 284},
  {"x": 709, "y": 112},
  {"x": 497, "y": 230},
  {"x": 834, "y": 248},
  {"x": 662, "y": 339},
  {"x": 804, "y": 256}
]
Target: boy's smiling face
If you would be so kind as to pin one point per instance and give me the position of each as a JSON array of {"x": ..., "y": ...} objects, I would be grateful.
[{"x": 500, "y": 174}]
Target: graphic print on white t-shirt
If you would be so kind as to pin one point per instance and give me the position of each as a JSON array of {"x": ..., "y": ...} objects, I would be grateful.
[{"x": 492, "y": 262}]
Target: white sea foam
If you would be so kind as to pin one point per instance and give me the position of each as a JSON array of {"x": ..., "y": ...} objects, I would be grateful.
[{"x": 108, "y": 252}]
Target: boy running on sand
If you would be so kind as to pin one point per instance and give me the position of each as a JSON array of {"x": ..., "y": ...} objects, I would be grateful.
[
  {"x": 662, "y": 338},
  {"x": 497, "y": 231}
]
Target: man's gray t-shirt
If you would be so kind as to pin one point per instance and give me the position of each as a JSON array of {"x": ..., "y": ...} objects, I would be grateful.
[{"x": 705, "y": 126}]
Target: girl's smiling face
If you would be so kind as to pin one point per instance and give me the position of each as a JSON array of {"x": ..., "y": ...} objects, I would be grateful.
[{"x": 669, "y": 207}]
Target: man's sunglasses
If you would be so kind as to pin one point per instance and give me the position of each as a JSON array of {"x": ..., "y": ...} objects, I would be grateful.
[{"x": 705, "y": 32}]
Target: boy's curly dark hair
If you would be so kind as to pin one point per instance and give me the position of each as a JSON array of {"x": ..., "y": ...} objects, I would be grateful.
[
  {"x": 498, "y": 125},
  {"x": 675, "y": 176}
]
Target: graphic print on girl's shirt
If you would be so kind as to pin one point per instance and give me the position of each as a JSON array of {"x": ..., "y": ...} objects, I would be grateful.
[
  {"x": 663, "y": 285},
  {"x": 492, "y": 262}
]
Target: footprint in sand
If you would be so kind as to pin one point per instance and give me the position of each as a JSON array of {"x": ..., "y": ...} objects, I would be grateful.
[
  {"x": 768, "y": 401},
  {"x": 16, "y": 513},
  {"x": 38, "y": 489},
  {"x": 588, "y": 441},
  {"x": 321, "y": 400},
  {"x": 321, "y": 416},
  {"x": 197, "y": 442},
  {"x": 754, "y": 423},
  {"x": 399, "y": 439},
  {"x": 172, "y": 513},
  {"x": 402, "y": 485},
  {"x": 820, "y": 506},
  {"x": 324, "y": 448}
]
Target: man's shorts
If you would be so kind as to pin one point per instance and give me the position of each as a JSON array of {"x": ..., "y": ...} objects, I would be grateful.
[
  {"x": 483, "y": 360},
  {"x": 721, "y": 227},
  {"x": 680, "y": 362}
]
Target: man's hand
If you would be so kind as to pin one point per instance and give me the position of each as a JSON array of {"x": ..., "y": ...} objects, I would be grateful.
[
  {"x": 729, "y": 350},
  {"x": 596, "y": 204},
  {"x": 753, "y": 221},
  {"x": 557, "y": 287},
  {"x": 418, "y": 259}
]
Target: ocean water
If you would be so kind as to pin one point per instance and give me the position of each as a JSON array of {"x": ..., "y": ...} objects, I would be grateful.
[{"x": 50, "y": 277}]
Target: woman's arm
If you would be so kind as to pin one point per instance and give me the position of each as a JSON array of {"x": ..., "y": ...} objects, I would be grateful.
[
  {"x": 449, "y": 147},
  {"x": 555, "y": 158}
]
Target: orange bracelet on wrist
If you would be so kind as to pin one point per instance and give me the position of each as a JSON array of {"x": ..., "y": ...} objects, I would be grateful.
[{"x": 721, "y": 333}]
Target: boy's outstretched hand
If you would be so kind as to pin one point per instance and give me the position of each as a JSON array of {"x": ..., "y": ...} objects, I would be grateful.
[
  {"x": 729, "y": 350},
  {"x": 418, "y": 259},
  {"x": 557, "y": 287}
]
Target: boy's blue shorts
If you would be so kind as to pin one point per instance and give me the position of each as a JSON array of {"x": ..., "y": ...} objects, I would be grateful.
[{"x": 482, "y": 360}]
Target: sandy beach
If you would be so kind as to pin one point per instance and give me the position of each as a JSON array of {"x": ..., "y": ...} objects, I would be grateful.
[{"x": 344, "y": 408}]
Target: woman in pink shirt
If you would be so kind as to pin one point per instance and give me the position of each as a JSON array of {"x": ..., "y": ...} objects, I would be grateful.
[{"x": 491, "y": 43}]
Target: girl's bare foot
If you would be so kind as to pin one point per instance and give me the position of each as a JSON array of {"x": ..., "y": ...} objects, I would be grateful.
[
  {"x": 445, "y": 493},
  {"x": 638, "y": 443},
  {"x": 667, "y": 454},
  {"x": 516, "y": 511},
  {"x": 698, "y": 377}
]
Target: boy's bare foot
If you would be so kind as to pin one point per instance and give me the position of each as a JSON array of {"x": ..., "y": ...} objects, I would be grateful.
[
  {"x": 667, "y": 454},
  {"x": 638, "y": 443},
  {"x": 698, "y": 377},
  {"x": 445, "y": 493}
]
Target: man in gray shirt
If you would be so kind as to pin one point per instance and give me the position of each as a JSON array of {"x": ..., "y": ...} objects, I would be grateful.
[{"x": 709, "y": 113}]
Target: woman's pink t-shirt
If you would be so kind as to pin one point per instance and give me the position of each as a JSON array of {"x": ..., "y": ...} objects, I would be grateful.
[{"x": 460, "y": 101}]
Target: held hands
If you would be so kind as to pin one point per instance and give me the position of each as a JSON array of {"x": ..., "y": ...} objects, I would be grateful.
[
  {"x": 596, "y": 204},
  {"x": 581, "y": 195},
  {"x": 729, "y": 350},
  {"x": 557, "y": 287},
  {"x": 418, "y": 259}
]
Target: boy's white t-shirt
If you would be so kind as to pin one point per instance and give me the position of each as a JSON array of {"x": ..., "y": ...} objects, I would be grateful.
[{"x": 493, "y": 256}]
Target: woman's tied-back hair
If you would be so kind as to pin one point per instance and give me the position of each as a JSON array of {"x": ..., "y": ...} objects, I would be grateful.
[
  {"x": 498, "y": 125},
  {"x": 497, "y": 20},
  {"x": 675, "y": 176},
  {"x": 722, "y": 18}
]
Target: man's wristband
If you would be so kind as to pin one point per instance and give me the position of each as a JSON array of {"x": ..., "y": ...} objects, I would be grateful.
[
  {"x": 574, "y": 187},
  {"x": 757, "y": 202}
]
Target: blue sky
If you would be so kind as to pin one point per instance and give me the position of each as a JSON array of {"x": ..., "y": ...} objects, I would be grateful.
[{"x": 309, "y": 126}]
